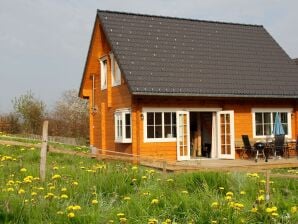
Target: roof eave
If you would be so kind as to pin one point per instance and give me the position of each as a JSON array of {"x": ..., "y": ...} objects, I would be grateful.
[{"x": 215, "y": 95}]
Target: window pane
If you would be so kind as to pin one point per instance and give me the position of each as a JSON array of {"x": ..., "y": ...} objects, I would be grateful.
[
  {"x": 284, "y": 117},
  {"x": 267, "y": 118},
  {"x": 174, "y": 131},
  {"x": 127, "y": 119},
  {"x": 168, "y": 131},
  {"x": 150, "y": 118},
  {"x": 150, "y": 131},
  {"x": 258, "y": 118},
  {"x": 167, "y": 118},
  {"x": 158, "y": 131},
  {"x": 158, "y": 119},
  {"x": 259, "y": 129},
  {"x": 127, "y": 132},
  {"x": 174, "y": 118},
  {"x": 267, "y": 129}
]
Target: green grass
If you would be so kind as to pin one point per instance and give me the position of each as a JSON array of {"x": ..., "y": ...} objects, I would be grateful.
[{"x": 126, "y": 193}]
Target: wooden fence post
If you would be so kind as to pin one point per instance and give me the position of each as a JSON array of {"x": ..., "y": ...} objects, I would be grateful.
[
  {"x": 43, "y": 151},
  {"x": 267, "y": 185}
]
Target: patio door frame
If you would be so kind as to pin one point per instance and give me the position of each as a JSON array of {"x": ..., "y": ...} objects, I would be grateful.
[
  {"x": 183, "y": 140},
  {"x": 228, "y": 134}
]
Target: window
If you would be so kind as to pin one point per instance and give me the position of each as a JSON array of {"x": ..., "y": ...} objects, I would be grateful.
[
  {"x": 103, "y": 72},
  {"x": 116, "y": 73},
  {"x": 263, "y": 121},
  {"x": 123, "y": 126},
  {"x": 160, "y": 126}
]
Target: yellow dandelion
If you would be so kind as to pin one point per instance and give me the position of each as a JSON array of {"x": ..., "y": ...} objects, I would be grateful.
[
  {"x": 228, "y": 198},
  {"x": 152, "y": 221},
  {"x": 221, "y": 188},
  {"x": 56, "y": 176},
  {"x": 154, "y": 201},
  {"x": 242, "y": 192},
  {"x": 60, "y": 213},
  {"x": 293, "y": 209},
  {"x": 133, "y": 180},
  {"x": 254, "y": 209},
  {"x": 274, "y": 208},
  {"x": 274, "y": 214},
  {"x": 33, "y": 193},
  {"x": 23, "y": 170},
  {"x": 94, "y": 202},
  {"x": 214, "y": 222},
  {"x": 269, "y": 210},
  {"x": 126, "y": 198},
  {"x": 71, "y": 215},
  {"x": 21, "y": 191},
  {"x": 230, "y": 194},
  {"x": 63, "y": 189},
  {"x": 144, "y": 177},
  {"x": 261, "y": 198},
  {"x": 184, "y": 192},
  {"x": 10, "y": 189},
  {"x": 134, "y": 168},
  {"x": 75, "y": 183},
  {"x": 215, "y": 204},
  {"x": 121, "y": 214},
  {"x": 170, "y": 180},
  {"x": 64, "y": 196},
  {"x": 52, "y": 187}
]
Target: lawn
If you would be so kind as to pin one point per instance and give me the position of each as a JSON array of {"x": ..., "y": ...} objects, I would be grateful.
[{"x": 84, "y": 190}]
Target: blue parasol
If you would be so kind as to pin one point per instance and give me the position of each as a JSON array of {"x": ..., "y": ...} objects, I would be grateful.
[{"x": 277, "y": 127}]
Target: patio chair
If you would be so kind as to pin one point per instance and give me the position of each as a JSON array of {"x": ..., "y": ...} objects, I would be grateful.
[
  {"x": 248, "y": 149},
  {"x": 279, "y": 145}
]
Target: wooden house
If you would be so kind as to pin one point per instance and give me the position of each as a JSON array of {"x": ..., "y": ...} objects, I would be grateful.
[{"x": 178, "y": 89}]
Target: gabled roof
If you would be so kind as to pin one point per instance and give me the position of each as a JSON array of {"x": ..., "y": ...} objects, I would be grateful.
[{"x": 172, "y": 56}]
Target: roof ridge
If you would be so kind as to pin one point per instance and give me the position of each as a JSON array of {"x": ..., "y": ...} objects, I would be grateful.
[{"x": 177, "y": 18}]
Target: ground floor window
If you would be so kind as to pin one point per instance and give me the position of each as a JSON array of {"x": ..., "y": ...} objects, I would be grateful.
[
  {"x": 160, "y": 125},
  {"x": 123, "y": 126},
  {"x": 263, "y": 121}
]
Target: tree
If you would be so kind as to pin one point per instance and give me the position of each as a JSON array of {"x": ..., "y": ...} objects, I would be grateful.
[
  {"x": 31, "y": 112},
  {"x": 70, "y": 116}
]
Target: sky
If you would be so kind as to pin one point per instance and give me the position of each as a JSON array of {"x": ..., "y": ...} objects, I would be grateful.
[{"x": 44, "y": 43}]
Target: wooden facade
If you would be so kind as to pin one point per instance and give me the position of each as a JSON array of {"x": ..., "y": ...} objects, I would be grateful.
[{"x": 107, "y": 101}]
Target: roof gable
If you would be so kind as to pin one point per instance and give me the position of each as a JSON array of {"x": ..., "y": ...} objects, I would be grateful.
[{"x": 171, "y": 56}]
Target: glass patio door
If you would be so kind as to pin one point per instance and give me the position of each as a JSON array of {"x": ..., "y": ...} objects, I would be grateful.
[
  {"x": 226, "y": 139},
  {"x": 183, "y": 139}
]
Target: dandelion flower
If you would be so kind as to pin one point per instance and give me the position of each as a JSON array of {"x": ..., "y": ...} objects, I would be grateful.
[
  {"x": 71, "y": 215},
  {"x": 293, "y": 209},
  {"x": 215, "y": 204},
  {"x": 23, "y": 170},
  {"x": 221, "y": 188},
  {"x": 154, "y": 201},
  {"x": 56, "y": 176},
  {"x": 242, "y": 192},
  {"x": 254, "y": 209},
  {"x": 170, "y": 180},
  {"x": 94, "y": 202},
  {"x": 64, "y": 196},
  {"x": 268, "y": 210},
  {"x": 261, "y": 198},
  {"x": 144, "y": 177},
  {"x": 21, "y": 191},
  {"x": 274, "y": 208},
  {"x": 228, "y": 198},
  {"x": 152, "y": 221},
  {"x": 134, "y": 168},
  {"x": 63, "y": 189},
  {"x": 126, "y": 198},
  {"x": 274, "y": 214},
  {"x": 59, "y": 213},
  {"x": 75, "y": 183},
  {"x": 33, "y": 193},
  {"x": 184, "y": 192},
  {"x": 120, "y": 214},
  {"x": 230, "y": 194}
]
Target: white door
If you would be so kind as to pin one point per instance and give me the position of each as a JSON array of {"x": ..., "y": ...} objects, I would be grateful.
[
  {"x": 183, "y": 140},
  {"x": 225, "y": 136}
]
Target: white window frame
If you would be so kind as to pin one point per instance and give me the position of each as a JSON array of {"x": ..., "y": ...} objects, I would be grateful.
[
  {"x": 120, "y": 133},
  {"x": 272, "y": 110},
  {"x": 115, "y": 71},
  {"x": 103, "y": 73},
  {"x": 163, "y": 139}
]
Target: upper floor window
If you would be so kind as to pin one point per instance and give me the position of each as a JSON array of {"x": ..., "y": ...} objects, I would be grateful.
[
  {"x": 123, "y": 126},
  {"x": 103, "y": 72},
  {"x": 263, "y": 121},
  {"x": 115, "y": 71}
]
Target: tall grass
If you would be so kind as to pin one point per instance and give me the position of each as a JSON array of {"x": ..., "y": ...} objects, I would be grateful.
[{"x": 83, "y": 190}]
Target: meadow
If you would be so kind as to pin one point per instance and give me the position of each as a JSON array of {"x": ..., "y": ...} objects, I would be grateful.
[{"x": 84, "y": 190}]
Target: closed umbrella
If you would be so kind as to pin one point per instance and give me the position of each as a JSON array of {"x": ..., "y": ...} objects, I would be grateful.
[{"x": 277, "y": 127}]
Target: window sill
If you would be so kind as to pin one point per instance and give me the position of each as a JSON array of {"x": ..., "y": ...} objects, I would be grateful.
[
  {"x": 123, "y": 141},
  {"x": 148, "y": 140}
]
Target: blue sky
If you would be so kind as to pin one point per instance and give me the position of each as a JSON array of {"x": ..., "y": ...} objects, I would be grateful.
[{"x": 44, "y": 43}]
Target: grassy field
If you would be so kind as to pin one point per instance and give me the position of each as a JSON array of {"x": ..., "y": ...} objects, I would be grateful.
[{"x": 83, "y": 190}]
